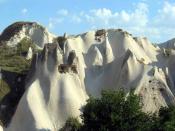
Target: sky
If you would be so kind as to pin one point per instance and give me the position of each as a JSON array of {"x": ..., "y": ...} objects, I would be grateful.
[{"x": 154, "y": 19}]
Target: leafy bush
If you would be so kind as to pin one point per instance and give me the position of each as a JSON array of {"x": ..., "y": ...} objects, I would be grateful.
[
  {"x": 12, "y": 62},
  {"x": 72, "y": 124},
  {"x": 115, "y": 112},
  {"x": 167, "y": 119}
]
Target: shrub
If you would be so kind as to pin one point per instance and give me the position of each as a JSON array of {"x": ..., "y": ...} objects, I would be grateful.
[
  {"x": 116, "y": 112},
  {"x": 72, "y": 124},
  {"x": 167, "y": 119}
]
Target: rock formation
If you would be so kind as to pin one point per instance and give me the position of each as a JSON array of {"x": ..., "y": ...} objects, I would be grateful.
[
  {"x": 29, "y": 54},
  {"x": 107, "y": 59}
]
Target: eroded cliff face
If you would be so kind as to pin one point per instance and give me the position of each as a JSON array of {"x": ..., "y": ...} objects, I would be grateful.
[{"x": 62, "y": 77}]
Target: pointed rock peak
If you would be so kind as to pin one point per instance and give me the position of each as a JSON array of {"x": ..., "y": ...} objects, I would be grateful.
[
  {"x": 65, "y": 35},
  {"x": 94, "y": 57},
  {"x": 106, "y": 42},
  {"x": 29, "y": 54},
  {"x": 108, "y": 52},
  {"x": 98, "y": 59},
  {"x": 158, "y": 72}
]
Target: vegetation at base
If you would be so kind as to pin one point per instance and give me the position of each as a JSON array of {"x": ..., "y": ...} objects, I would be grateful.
[
  {"x": 13, "y": 59},
  {"x": 5, "y": 89},
  {"x": 72, "y": 124},
  {"x": 116, "y": 112},
  {"x": 167, "y": 119}
]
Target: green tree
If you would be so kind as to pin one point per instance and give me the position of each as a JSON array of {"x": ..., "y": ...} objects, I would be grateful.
[
  {"x": 167, "y": 119},
  {"x": 115, "y": 112},
  {"x": 72, "y": 124}
]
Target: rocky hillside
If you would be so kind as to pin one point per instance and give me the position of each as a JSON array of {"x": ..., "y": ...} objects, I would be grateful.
[
  {"x": 70, "y": 68},
  {"x": 168, "y": 44},
  {"x": 14, "y": 33}
]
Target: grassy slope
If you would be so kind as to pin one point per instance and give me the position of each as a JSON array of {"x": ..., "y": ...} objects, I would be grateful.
[
  {"x": 5, "y": 89},
  {"x": 12, "y": 60}
]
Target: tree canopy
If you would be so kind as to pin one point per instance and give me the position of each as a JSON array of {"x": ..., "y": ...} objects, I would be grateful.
[{"x": 118, "y": 111}]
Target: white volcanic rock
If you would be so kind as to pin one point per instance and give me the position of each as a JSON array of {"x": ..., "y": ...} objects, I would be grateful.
[
  {"x": 1, "y": 129},
  {"x": 154, "y": 90},
  {"x": 13, "y": 34},
  {"x": 94, "y": 57},
  {"x": 54, "y": 96},
  {"x": 131, "y": 71},
  {"x": 108, "y": 54},
  {"x": 150, "y": 50},
  {"x": 29, "y": 54},
  {"x": 57, "y": 90}
]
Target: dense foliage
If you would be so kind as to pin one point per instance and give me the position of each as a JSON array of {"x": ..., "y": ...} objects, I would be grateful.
[
  {"x": 72, "y": 124},
  {"x": 116, "y": 112},
  {"x": 167, "y": 119}
]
